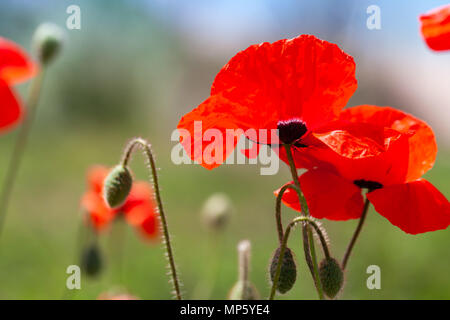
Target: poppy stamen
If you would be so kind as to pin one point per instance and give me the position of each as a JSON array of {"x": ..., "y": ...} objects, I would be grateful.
[
  {"x": 370, "y": 185},
  {"x": 291, "y": 131}
]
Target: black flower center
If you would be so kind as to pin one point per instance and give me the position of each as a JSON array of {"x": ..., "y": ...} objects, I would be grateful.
[
  {"x": 370, "y": 185},
  {"x": 291, "y": 130}
]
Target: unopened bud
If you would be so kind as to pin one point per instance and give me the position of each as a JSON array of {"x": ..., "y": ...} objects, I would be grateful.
[
  {"x": 217, "y": 211},
  {"x": 288, "y": 273},
  {"x": 48, "y": 40},
  {"x": 117, "y": 186},
  {"x": 331, "y": 276},
  {"x": 91, "y": 260}
]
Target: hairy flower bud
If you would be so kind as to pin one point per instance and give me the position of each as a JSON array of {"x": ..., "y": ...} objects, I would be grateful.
[
  {"x": 117, "y": 186},
  {"x": 48, "y": 40},
  {"x": 288, "y": 273},
  {"x": 217, "y": 211},
  {"x": 243, "y": 290},
  {"x": 331, "y": 276},
  {"x": 91, "y": 260}
]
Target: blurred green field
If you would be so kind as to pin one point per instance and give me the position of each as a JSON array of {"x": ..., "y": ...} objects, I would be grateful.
[
  {"x": 134, "y": 70},
  {"x": 40, "y": 235}
]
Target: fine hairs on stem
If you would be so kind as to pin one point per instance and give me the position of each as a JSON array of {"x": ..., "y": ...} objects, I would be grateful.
[
  {"x": 145, "y": 146},
  {"x": 308, "y": 240},
  {"x": 292, "y": 224}
]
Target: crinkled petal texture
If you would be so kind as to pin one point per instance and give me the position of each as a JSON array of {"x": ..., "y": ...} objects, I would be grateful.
[
  {"x": 435, "y": 28},
  {"x": 328, "y": 196},
  {"x": 15, "y": 65},
  {"x": 10, "y": 110},
  {"x": 415, "y": 207},
  {"x": 139, "y": 208},
  {"x": 302, "y": 78},
  {"x": 421, "y": 141}
]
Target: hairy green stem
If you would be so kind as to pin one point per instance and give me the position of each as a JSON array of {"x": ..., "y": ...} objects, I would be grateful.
[
  {"x": 355, "y": 234},
  {"x": 308, "y": 240},
  {"x": 148, "y": 153},
  {"x": 19, "y": 147}
]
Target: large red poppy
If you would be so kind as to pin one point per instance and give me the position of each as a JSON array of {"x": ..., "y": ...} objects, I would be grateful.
[
  {"x": 294, "y": 85},
  {"x": 435, "y": 28},
  {"x": 139, "y": 208},
  {"x": 385, "y": 151},
  {"x": 15, "y": 67}
]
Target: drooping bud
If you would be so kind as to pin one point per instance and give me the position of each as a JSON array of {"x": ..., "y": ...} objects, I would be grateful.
[
  {"x": 288, "y": 273},
  {"x": 47, "y": 41},
  {"x": 117, "y": 186},
  {"x": 331, "y": 276},
  {"x": 91, "y": 260},
  {"x": 217, "y": 211},
  {"x": 244, "y": 289}
]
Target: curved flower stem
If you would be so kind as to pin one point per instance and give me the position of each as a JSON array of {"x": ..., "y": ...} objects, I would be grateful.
[
  {"x": 293, "y": 223},
  {"x": 148, "y": 153},
  {"x": 355, "y": 234},
  {"x": 308, "y": 240},
  {"x": 278, "y": 209},
  {"x": 19, "y": 147}
]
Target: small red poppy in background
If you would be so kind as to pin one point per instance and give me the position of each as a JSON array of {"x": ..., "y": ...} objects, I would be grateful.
[
  {"x": 385, "y": 151},
  {"x": 138, "y": 210},
  {"x": 294, "y": 85},
  {"x": 15, "y": 67},
  {"x": 435, "y": 28}
]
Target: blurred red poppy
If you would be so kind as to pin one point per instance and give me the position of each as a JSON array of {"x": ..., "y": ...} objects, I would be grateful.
[
  {"x": 435, "y": 28},
  {"x": 294, "y": 85},
  {"x": 139, "y": 208},
  {"x": 15, "y": 67},
  {"x": 385, "y": 151}
]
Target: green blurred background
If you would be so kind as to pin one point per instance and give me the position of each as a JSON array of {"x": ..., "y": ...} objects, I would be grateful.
[{"x": 134, "y": 69}]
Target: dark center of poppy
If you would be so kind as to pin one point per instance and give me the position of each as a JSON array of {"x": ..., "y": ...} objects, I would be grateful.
[
  {"x": 291, "y": 130},
  {"x": 370, "y": 185}
]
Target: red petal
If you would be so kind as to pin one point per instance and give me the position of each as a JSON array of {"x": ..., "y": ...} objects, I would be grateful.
[
  {"x": 15, "y": 65},
  {"x": 435, "y": 28},
  {"x": 150, "y": 227},
  {"x": 422, "y": 144},
  {"x": 415, "y": 207},
  {"x": 100, "y": 214},
  {"x": 139, "y": 204},
  {"x": 327, "y": 195},
  {"x": 215, "y": 114},
  {"x": 303, "y": 78},
  {"x": 10, "y": 109},
  {"x": 96, "y": 176}
]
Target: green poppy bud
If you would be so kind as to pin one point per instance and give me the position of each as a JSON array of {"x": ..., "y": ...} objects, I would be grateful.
[
  {"x": 91, "y": 260},
  {"x": 288, "y": 273},
  {"x": 47, "y": 41},
  {"x": 331, "y": 276},
  {"x": 243, "y": 290},
  {"x": 117, "y": 186}
]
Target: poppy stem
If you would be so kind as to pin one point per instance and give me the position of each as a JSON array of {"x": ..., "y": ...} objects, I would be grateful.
[
  {"x": 308, "y": 240},
  {"x": 151, "y": 161},
  {"x": 283, "y": 245},
  {"x": 355, "y": 234},
  {"x": 19, "y": 147}
]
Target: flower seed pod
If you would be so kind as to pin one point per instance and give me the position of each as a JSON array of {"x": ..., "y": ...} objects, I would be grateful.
[
  {"x": 117, "y": 186},
  {"x": 217, "y": 211},
  {"x": 288, "y": 273},
  {"x": 243, "y": 290},
  {"x": 91, "y": 260},
  {"x": 48, "y": 40},
  {"x": 331, "y": 276}
]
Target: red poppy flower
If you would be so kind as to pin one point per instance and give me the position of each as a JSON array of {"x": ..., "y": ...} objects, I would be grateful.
[
  {"x": 385, "y": 151},
  {"x": 294, "y": 85},
  {"x": 15, "y": 67},
  {"x": 138, "y": 210},
  {"x": 435, "y": 28}
]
